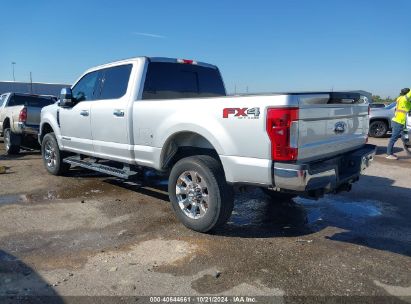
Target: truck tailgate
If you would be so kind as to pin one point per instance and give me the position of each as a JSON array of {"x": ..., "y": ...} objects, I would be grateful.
[
  {"x": 33, "y": 116},
  {"x": 330, "y": 124}
]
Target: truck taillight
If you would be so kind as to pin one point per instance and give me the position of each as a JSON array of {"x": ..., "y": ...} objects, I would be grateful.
[
  {"x": 186, "y": 61},
  {"x": 279, "y": 123},
  {"x": 23, "y": 115}
]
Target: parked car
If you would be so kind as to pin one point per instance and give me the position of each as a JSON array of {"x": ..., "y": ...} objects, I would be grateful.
[
  {"x": 173, "y": 115},
  {"x": 380, "y": 120},
  {"x": 406, "y": 134},
  {"x": 20, "y": 119}
]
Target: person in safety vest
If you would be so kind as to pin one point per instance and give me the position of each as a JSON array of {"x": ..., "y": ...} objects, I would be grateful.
[{"x": 399, "y": 120}]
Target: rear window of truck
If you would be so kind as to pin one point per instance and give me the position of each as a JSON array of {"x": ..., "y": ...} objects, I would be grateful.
[
  {"x": 165, "y": 80},
  {"x": 31, "y": 101}
]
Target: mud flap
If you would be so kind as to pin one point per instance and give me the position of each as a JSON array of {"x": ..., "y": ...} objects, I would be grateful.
[{"x": 15, "y": 139}]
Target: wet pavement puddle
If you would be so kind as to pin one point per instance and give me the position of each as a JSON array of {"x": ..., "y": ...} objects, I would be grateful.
[
  {"x": 29, "y": 198},
  {"x": 13, "y": 199},
  {"x": 344, "y": 206},
  {"x": 300, "y": 215},
  {"x": 340, "y": 207}
]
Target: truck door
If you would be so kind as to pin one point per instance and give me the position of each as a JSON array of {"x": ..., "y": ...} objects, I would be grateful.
[
  {"x": 75, "y": 122},
  {"x": 109, "y": 114}
]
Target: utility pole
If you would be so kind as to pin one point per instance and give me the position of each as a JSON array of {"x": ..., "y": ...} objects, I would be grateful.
[
  {"x": 31, "y": 84},
  {"x": 13, "y": 64},
  {"x": 235, "y": 89}
]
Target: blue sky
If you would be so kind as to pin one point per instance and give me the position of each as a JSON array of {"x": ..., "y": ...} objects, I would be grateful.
[{"x": 263, "y": 45}]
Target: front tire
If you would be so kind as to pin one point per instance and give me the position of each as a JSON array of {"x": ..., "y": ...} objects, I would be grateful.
[
  {"x": 10, "y": 144},
  {"x": 199, "y": 193},
  {"x": 52, "y": 156},
  {"x": 378, "y": 128},
  {"x": 407, "y": 149}
]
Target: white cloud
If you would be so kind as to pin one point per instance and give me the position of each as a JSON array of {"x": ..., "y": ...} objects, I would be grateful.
[{"x": 149, "y": 35}]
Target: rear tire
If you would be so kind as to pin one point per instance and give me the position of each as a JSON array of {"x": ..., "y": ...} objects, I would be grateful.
[
  {"x": 199, "y": 193},
  {"x": 378, "y": 128},
  {"x": 52, "y": 156},
  {"x": 10, "y": 142},
  {"x": 407, "y": 149}
]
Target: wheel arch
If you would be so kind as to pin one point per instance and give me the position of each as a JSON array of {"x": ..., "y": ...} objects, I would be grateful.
[
  {"x": 183, "y": 144},
  {"x": 49, "y": 124},
  {"x": 383, "y": 119},
  {"x": 45, "y": 128},
  {"x": 6, "y": 123}
]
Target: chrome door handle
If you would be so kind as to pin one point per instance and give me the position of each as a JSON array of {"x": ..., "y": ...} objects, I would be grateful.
[
  {"x": 84, "y": 113},
  {"x": 118, "y": 113}
]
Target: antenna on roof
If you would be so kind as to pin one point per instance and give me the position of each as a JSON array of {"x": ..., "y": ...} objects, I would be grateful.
[
  {"x": 13, "y": 64},
  {"x": 31, "y": 84}
]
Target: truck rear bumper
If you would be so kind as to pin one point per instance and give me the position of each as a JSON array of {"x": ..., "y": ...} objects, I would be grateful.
[
  {"x": 326, "y": 175},
  {"x": 27, "y": 129}
]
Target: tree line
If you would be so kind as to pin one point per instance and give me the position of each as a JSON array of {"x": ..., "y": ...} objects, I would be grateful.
[{"x": 379, "y": 99}]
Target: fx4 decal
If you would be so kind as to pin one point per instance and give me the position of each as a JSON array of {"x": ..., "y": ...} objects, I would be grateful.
[{"x": 242, "y": 113}]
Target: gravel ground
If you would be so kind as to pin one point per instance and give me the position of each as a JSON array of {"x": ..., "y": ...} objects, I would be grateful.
[{"x": 91, "y": 235}]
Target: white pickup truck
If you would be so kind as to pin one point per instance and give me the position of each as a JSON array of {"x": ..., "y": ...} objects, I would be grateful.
[
  {"x": 20, "y": 119},
  {"x": 173, "y": 115}
]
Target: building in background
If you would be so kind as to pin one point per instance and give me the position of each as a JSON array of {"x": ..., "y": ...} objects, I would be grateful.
[{"x": 32, "y": 88}]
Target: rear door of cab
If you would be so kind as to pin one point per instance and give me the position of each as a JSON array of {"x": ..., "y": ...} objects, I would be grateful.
[{"x": 110, "y": 113}]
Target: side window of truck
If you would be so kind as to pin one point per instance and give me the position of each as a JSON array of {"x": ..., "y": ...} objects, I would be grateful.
[
  {"x": 85, "y": 88},
  {"x": 11, "y": 102},
  {"x": 17, "y": 100},
  {"x": 114, "y": 81}
]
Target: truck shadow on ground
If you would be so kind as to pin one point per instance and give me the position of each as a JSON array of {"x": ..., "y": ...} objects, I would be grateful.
[
  {"x": 23, "y": 154},
  {"x": 378, "y": 216},
  {"x": 21, "y": 284},
  {"x": 152, "y": 189},
  {"x": 375, "y": 214}
]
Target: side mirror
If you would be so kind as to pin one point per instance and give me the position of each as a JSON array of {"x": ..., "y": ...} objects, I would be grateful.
[{"x": 66, "y": 98}]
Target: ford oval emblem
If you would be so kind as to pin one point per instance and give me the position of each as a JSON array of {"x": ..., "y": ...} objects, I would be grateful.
[{"x": 340, "y": 127}]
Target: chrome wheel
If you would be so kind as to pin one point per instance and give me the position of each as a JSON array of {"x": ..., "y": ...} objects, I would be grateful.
[
  {"x": 50, "y": 155},
  {"x": 192, "y": 194},
  {"x": 7, "y": 140}
]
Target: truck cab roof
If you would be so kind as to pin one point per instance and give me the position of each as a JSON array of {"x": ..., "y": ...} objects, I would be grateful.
[{"x": 153, "y": 59}]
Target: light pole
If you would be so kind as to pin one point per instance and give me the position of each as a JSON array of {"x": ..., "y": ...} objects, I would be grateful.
[{"x": 13, "y": 64}]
